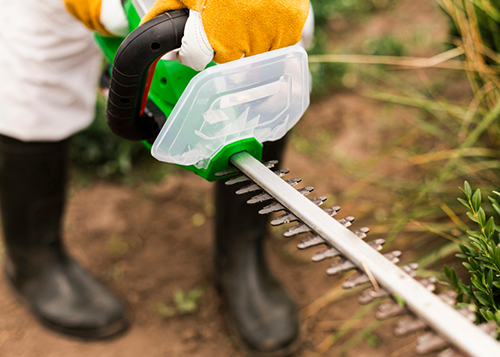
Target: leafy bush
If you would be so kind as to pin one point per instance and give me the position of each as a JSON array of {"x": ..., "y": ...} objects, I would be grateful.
[{"x": 482, "y": 252}]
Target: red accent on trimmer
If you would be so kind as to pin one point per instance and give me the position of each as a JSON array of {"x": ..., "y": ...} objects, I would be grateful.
[{"x": 151, "y": 72}]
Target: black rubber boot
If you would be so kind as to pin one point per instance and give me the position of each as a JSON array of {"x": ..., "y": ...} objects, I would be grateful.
[
  {"x": 59, "y": 292},
  {"x": 260, "y": 311}
]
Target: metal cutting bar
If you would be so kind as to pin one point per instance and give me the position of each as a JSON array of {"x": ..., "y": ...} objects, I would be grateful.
[{"x": 443, "y": 319}]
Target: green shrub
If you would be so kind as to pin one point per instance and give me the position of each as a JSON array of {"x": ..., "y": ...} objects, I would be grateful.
[{"x": 482, "y": 254}]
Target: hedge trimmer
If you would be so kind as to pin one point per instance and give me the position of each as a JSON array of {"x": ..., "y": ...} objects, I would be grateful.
[{"x": 217, "y": 122}]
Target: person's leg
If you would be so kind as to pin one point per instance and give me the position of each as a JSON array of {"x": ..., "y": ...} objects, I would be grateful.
[
  {"x": 59, "y": 292},
  {"x": 260, "y": 310}
]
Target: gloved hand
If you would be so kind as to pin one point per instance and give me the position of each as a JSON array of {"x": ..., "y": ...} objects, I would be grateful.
[
  {"x": 226, "y": 30},
  {"x": 107, "y": 17}
]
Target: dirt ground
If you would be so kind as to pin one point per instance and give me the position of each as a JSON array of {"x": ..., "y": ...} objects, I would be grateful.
[{"x": 147, "y": 241}]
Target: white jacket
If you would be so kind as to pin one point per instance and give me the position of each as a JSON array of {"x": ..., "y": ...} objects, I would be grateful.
[{"x": 49, "y": 67}]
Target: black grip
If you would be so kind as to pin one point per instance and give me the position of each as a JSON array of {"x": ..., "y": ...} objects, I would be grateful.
[{"x": 129, "y": 75}]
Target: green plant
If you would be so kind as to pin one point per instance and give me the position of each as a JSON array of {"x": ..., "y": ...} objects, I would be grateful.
[
  {"x": 482, "y": 254},
  {"x": 184, "y": 303}
]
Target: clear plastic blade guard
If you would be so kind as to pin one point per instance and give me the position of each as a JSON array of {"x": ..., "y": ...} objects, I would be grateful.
[{"x": 259, "y": 97}]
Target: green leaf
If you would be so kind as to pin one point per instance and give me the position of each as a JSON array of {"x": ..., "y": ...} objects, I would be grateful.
[
  {"x": 447, "y": 272},
  {"x": 464, "y": 289},
  {"x": 399, "y": 300},
  {"x": 496, "y": 284},
  {"x": 467, "y": 189},
  {"x": 463, "y": 305},
  {"x": 187, "y": 303},
  {"x": 464, "y": 202},
  {"x": 482, "y": 298},
  {"x": 165, "y": 310},
  {"x": 496, "y": 207},
  {"x": 471, "y": 217},
  {"x": 489, "y": 266},
  {"x": 481, "y": 217},
  {"x": 475, "y": 265},
  {"x": 474, "y": 234},
  {"x": 465, "y": 249},
  {"x": 484, "y": 314},
  {"x": 476, "y": 200},
  {"x": 479, "y": 286}
]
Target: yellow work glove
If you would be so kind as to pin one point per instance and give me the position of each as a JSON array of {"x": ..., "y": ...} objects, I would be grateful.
[
  {"x": 107, "y": 17},
  {"x": 226, "y": 30}
]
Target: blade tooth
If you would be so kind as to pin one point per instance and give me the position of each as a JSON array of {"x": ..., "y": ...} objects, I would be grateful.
[
  {"x": 389, "y": 309},
  {"x": 284, "y": 218},
  {"x": 273, "y": 207},
  {"x": 429, "y": 342},
  {"x": 231, "y": 170},
  {"x": 304, "y": 191},
  {"x": 429, "y": 283},
  {"x": 262, "y": 197},
  {"x": 410, "y": 269},
  {"x": 449, "y": 297},
  {"x": 489, "y": 327},
  {"x": 370, "y": 294},
  {"x": 293, "y": 181},
  {"x": 332, "y": 211},
  {"x": 450, "y": 353},
  {"x": 325, "y": 254},
  {"x": 281, "y": 172},
  {"x": 468, "y": 313},
  {"x": 237, "y": 179},
  {"x": 249, "y": 188},
  {"x": 340, "y": 267},
  {"x": 270, "y": 164},
  {"x": 362, "y": 232},
  {"x": 377, "y": 244},
  {"x": 355, "y": 280},
  {"x": 297, "y": 229},
  {"x": 318, "y": 201},
  {"x": 393, "y": 256},
  {"x": 409, "y": 325},
  {"x": 311, "y": 241},
  {"x": 346, "y": 221}
]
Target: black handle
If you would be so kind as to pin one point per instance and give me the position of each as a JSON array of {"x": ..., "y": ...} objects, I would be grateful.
[{"x": 133, "y": 70}]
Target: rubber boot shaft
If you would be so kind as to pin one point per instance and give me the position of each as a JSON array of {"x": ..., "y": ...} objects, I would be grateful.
[
  {"x": 59, "y": 292},
  {"x": 260, "y": 311}
]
